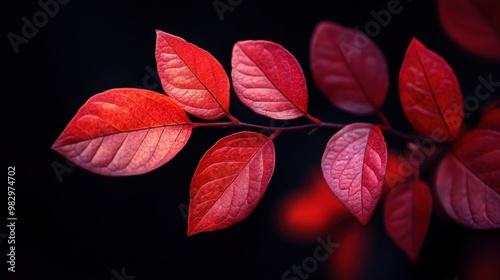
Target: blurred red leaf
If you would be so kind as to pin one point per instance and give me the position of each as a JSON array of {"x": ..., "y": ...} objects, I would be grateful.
[
  {"x": 229, "y": 181},
  {"x": 402, "y": 166},
  {"x": 349, "y": 260},
  {"x": 311, "y": 211},
  {"x": 481, "y": 261},
  {"x": 474, "y": 25},
  {"x": 490, "y": 119},
  {"x": 192, "y": 77},
  {"x": 396, "y": 172},
  {"x": 407, "y": 212},
  {"x": 269, "y": 80},
  {"x": 124, "y": 131},
  {"x": 354, "y": 164},
  {"x": 348, "y": 68},
  {"x": 467, "y": 180},
  {"x": 430, "y": 94}
]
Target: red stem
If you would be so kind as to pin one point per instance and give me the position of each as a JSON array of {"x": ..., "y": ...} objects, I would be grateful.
[
  {"x": 282, "y": 129},
  {"x": 312, "y": 126},
  {"x": 233, "y": 119},
  {"x": 275, "y": 133},
  {"x": 383, "y": 118},
  {"x": 315, "y": 120}
]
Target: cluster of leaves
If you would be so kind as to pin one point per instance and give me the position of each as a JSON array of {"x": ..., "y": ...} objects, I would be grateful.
[{"x": 129, "y": 131}]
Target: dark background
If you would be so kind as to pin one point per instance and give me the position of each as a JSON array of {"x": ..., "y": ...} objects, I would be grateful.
[{"x": 85, "y": 226}]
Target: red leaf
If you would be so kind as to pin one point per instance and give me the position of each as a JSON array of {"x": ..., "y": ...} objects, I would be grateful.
[
  {"x": 229, "y": 181},
  {"x": 490, "y": 119},
  {"x": 406, "y": 165},
  {"x": 467, "y": 178},
  {"x": 311, "y": 211},
  {"x": 354, "y": 165},
  {"x": 350, "y": 260},
  {"x": 407, "y": 212},
  {"x": 430, "y": 94},
  {"x": 482, "y": 259},
  {"x": 472, "y": 24},
  {"x": 269, "y": 80},
  {"x": 349, "y": 68},
  {"x": 192, "y": 77},
  {"x": 479, "y": 150},
  {"x": 124, "y": 131},
  {"x": 396, "y": 173}
]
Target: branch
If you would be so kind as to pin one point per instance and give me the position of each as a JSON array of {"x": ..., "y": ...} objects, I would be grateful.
[{"x": 313, "y": 126}]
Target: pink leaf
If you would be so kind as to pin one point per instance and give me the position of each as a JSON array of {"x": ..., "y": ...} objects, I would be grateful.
[
  {"x": 407, "y": 212},
  {"x": 269, "y": 80},
  {"x": 229, "y": 181},
  {"x": 349, "y": 68},
  {"x": 124, "y": 131},
  {"x": 467, "y": 178},
  {"x": 192, "y": 77},
  {"x": 354, "y": 165}
]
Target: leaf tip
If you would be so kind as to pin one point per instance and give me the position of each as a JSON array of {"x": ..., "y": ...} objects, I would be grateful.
[
  {"x": 413, "y": 258},
  {"x": 363, "y": 220},
  {"x": 325, "y": 24},
  {"x": 415, "y": 43},
  {"x": 415, "y": 40},
  {"x": 159, "y": 32},
  {"x": 190, "y": 232},
  {"x": 56, "y": 145},
  {"x": 53, "y": 146}
]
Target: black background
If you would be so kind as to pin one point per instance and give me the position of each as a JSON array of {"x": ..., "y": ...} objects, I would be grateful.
[{"x": 86, "y": 226}]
